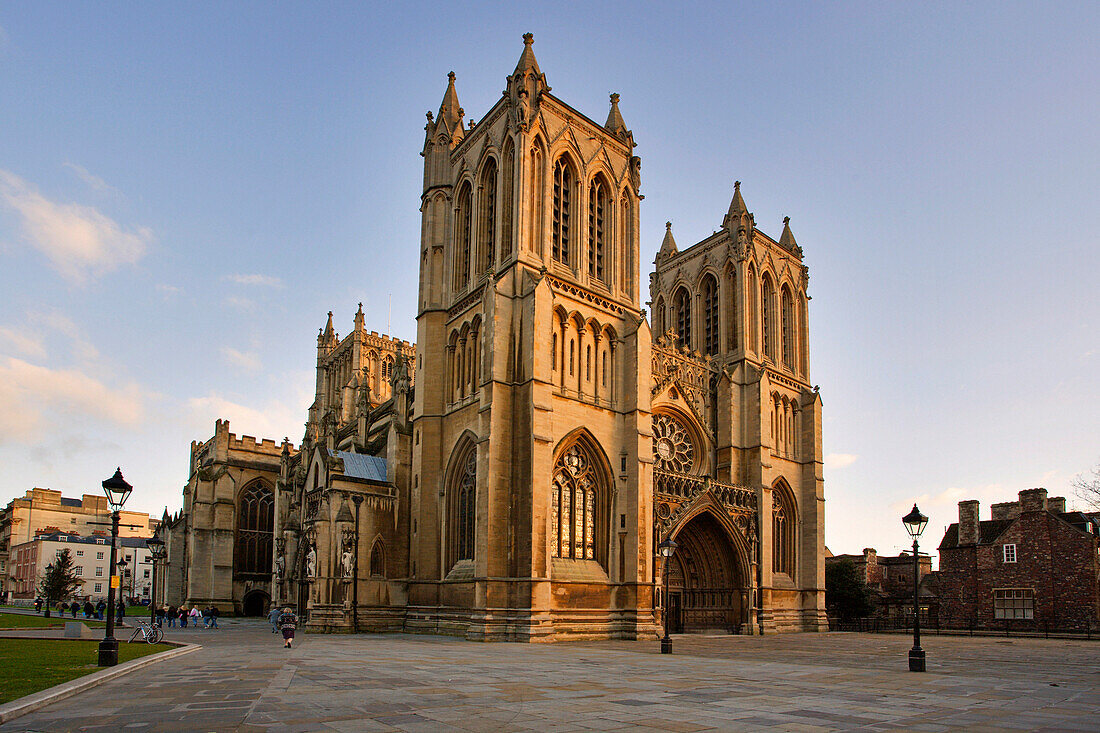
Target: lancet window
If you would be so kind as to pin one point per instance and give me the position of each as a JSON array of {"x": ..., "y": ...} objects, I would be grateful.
[
  {"x": 681, "y": 305},
  {"x": 487, "y": 217},
  {"x": 710, "y": 315},
  {"x": 767, "y": 303},
  {"x": 784, "y": 526},
  {"x": 787, "y": 310},
  {"x": 463, "y": 217},
  {"x": 598, "y": 210},
  {"x": 463, "y": 504},
  {"x": 507, "y": 186},
  {"x": 255, "y": 529},
  {"x": 563, "y": 194}
]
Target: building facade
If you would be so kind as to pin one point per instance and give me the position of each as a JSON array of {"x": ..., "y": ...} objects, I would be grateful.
[
  {"x": 45, "y": 511},
  {"x": 1031, "y": 565},
  {"x": 91, "y": 560},
  {"x": 509, "y": 475}
]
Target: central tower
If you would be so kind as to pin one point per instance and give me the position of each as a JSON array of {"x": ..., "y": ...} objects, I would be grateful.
[{"x": 531, "y": 497}]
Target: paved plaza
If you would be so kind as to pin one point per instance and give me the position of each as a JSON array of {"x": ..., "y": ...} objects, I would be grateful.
[{"x": 243, "y": 680}]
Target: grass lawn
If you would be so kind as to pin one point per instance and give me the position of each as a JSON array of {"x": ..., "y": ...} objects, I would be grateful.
[
  {"x": 31, "y": 665},
  {"x": 23, "y": 621}
]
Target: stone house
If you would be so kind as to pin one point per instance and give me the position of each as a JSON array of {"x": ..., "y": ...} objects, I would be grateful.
[{"x": 1031, "y": 565}]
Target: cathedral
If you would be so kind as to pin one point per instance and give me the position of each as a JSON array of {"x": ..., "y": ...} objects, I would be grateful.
[{"x": 510, "y": 475}]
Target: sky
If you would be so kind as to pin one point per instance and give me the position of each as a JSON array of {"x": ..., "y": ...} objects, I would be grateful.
[{"x": 186, "y": 191}]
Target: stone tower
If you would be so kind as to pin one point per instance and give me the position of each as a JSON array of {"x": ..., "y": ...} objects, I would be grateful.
[{"x": 530, "y": 497}]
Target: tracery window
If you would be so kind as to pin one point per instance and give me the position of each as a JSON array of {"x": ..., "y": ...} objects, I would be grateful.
[
  {"x": 573, "y": 505},
  {"x": 681, "y": 304},
  {"x": 673, "y": 447},
  {"x": 710, "y": 315},
  {"x": 563, "y": 192},
  {"x": 626, "y": 224},
  {"x": 731, "y": 294},
  {"x": 463, "y": 505},
  {"x": 255, "y": 529},
  {"x": 803, "y": 340},
  {"x": 659, "y": 317},
  {"x": 787, "y": 309},
  {"x": 783, "y": 531},
  {"x": 378, "y": 560},
  {"x": 487, "y": 217},
  {"x": 507, "y": 186},
  {"x": 597, "y": 211},
  {"x": 462, "y": 238}
]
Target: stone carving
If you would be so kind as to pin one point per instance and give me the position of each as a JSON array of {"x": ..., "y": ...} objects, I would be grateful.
[
  {"x": 347, "y": 561},
  {"x": 311, "y": 563}
]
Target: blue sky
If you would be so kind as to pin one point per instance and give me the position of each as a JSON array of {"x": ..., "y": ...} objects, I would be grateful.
[{"x": 185, "y": 192}]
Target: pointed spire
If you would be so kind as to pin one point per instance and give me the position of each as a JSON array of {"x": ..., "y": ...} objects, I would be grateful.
[
  {"x": 359, "y": 318},
  {"x": 527, "y": 62},
  {"x": 449, "y": 119},
  {"x": 328, "y": 326},
  {"x": 737, "y": 207},
  {"x": 786, "y": 240},
  {"x": 615, "y": 119},
  {"x": 668, "y": 246}
]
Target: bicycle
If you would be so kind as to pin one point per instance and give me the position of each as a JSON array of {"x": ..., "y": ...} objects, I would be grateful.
[{"x": 150, "y": 633}]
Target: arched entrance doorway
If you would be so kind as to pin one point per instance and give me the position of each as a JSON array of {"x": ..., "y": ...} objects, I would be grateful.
[
  {"x": 255, "y": 603},
  {"x": 706, "y": 583}
]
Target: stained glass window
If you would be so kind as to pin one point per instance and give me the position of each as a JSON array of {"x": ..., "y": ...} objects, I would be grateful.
[
  {"x": 255, "y": 529},
  {"x": 573, "y": 506}
]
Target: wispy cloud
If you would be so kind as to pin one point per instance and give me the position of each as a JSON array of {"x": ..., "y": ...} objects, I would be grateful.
[
  {"x": 255, "y": 279},
  {"x": 273, "y": 420},
  {"x": 26, "y": 344},
  {"x": 168, "y": 290},
  {"x": 247, "y": 361},
  {"x": 94, "y": 182},
  {"x": 237, "y": 301},
  {"x": 78, "y": 240},
  {"x": 835, "y": 461},
  {"x": 84, "y": 351},
  {"x": 34, "y": 395}
]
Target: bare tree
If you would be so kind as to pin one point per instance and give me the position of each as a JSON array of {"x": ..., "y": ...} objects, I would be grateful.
[{"x": 1087, "y": 488}]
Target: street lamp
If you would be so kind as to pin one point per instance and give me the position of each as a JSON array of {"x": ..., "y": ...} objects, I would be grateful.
[
  {"x": 914, "y": 523},
  {"x": 157, "y": 552},
  {"x": 117, "y": 491},
  {"x": 665, "y": 550}
]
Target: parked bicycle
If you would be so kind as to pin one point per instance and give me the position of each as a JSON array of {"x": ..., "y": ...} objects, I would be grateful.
[{"x": 150, "y": 633}]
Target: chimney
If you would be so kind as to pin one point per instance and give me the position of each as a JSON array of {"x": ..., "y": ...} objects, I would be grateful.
[
  {"x": 1057, "y": 504},
  {"x": 1033, "y": 500},
  {"x": 968, "y": 522},
  {"x": 1005, "y": 510}
]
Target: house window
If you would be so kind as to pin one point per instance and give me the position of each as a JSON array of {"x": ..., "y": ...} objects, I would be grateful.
[
  {"x": 99, "y": 587},
  {"x": 99, "y": 556},
  {"x": 99, "y": 572},
  {"x": 1009, "y": 553},
  {"x": 1009, "y": 603},
  {"x": 78, "y": 570},
  {"x": 146, "y": 575},
  {"x": 80, "y": 553}
]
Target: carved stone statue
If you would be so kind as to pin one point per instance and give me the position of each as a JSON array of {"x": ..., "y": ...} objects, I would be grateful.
[
  {"x": 400, "y": 377},
  {"x": 636, "y": 172},
  {"x": 348, "y": 562},
  {"x": 311, "y": 562},
  {"x": 280, "y": 566}
]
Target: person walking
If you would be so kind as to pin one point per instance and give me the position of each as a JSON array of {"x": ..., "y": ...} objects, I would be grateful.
[
  {"x": 288, "y": 622},
  {"x": 37, "y": 605},
  {"x": 89, "y": 609},
  {"x": 121, "y": 612},
  {"x": 195, "y": 616},
  {"x": 74, "y": 607},
  {"x": 183, "y": 617},
  {"x": 214, "y": 617},
  {"x": 273, "y": 617},
  {"x": 172, "y": 615},
  {"x": 100, "y": 606},
  {"x": 159, "y": 613}
]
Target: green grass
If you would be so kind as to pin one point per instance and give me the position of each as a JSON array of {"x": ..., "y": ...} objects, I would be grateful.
[
  {"x": 31, "y": 665},
  {"x": 23, "y": 621}
]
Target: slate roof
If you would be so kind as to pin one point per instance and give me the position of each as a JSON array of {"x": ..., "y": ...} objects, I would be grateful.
[
  {"x": 988, "y": 531},
  {"x": 360, "y": 465},
  {"x": 67, "y": 501}
]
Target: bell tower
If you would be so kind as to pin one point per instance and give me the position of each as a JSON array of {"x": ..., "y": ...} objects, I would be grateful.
[{"x": 531, "y": 438}]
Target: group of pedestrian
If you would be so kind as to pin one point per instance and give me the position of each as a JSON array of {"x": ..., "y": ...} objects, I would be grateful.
[
  {"x": 193, "y": 617},
  {"x": 86, "y": 609}
]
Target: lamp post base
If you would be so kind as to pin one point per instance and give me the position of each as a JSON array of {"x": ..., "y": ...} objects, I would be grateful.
[
  {"x": 666, "y": 645},
  {"x": 108, "y": 652},
  {"x": 916, "y": 660}
]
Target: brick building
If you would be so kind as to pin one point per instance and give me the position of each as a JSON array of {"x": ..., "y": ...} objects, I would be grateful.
[
  {"x": 1032, "y": 565},
  {"x": 890, "y": 580}
]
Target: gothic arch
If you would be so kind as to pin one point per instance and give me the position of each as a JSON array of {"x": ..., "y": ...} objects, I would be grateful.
[
  {"x": 460, "y": 490},
  {"x": 710, "y": 302},
  {"x": 255, "y": 530},
  {"x": 768, "y": 315},
  {"x": 488, "y": 213},
  {"x": 580, "y": 497},
  {"x": 600, "y": 217},
  {"x": 464, "y": 234},
  {"x": 377, "y": 558},
  {"x": 681, "y": 316},
  {"x": 785, "y": 529},
  {"x": 565, "y": 200}
]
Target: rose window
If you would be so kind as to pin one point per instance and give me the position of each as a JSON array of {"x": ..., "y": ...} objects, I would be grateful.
[{"x": 673, "y": 449}]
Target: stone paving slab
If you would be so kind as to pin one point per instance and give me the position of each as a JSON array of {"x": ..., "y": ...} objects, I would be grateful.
[{"x": 243, "y": 680}]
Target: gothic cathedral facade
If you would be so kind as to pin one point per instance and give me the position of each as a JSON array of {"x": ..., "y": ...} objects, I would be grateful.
[{"x": 510, "y": 475}]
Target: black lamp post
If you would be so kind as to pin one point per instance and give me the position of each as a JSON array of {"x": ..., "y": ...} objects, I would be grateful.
[
  {"x": 665, "y": 549},
  {"x": 117, "y": 491},
  {"x": 157, "y": 552},
  {"x": 914, "y": 523}
]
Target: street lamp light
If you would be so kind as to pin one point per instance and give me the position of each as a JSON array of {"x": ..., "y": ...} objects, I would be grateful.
[
  {"x": 665, "y": 549},
  {"x": 914, "y": 523},
  {"x": 117, "y": 491},
  {"x": 157, "y": 552}
]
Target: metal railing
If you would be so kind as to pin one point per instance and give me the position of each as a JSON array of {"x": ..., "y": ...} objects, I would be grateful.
[{"x": 1085, "y": 629}]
